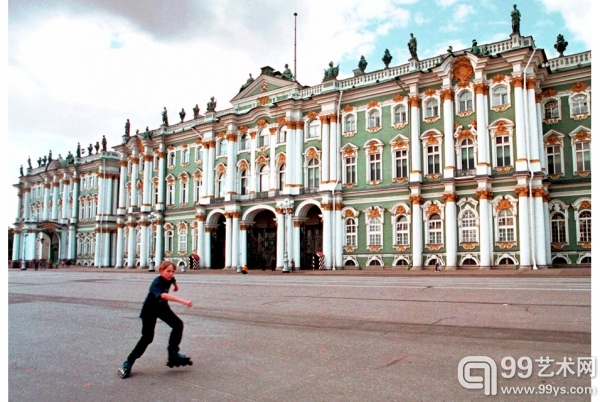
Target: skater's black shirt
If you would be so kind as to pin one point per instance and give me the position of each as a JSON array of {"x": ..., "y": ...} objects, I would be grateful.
[{"x": 154, "y": 302}]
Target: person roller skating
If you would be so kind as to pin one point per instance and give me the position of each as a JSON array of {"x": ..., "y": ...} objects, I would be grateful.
[{"x": 156, "y": 306}]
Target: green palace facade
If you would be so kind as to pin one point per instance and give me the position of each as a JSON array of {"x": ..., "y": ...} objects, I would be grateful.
[{"x": 479, "y": 158}]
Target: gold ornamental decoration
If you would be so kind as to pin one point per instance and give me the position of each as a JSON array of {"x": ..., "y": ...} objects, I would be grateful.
[
  {"x": 430, "y": 92},
  {"x": 414, "y": 101},
  {"x": 522, "y": 191},
  {"x": 449, "y": 197},
  {"x": 261, "y": 123},
  {"x": 415, "y": 199},
  {"x": 433, "y": 209},
  {"x": 581, "y": 136},
  {"x": 373, "y": 213},
  {"x": 503, "y": 204},
  {"x": 552, "y": 140},
  {"x": 263, "y": 100},
  {"x": 243, "y": 164},
  {"x": 517, "y": 81},
  {"x": 312, "y": 114},
  {"x": 349, "y": 152},
  {"x": 586, "y": 205},
  {"x": 465, "y": 134},
  {"x": 579, "y": 87},
  {"x": 400, "y": 210},
  {"x": 273, "y": 130},
  {"x": 372, "y": 104},
  {"x": 312, "y": 154},
  {"x": 501, "y": 128},
  {"x": 498, "y": 78},
  {"x": 373, "y": 147},
  {"x": 398, "y": 98},
  {"x": 446, "y": 94},
  {"x": 243, "y": 129},
  {"x": 463, "y": 70},
  {"x": 531, "y": 83},
  {"x": 281, "y": 159},
  {"x": 348, "y": 108},
  {"x": 221, "y": 168},
  {"x": 282, "y": 121},
  {"x": 431, "y": 139},
  {"x": 549, "y": 93}
]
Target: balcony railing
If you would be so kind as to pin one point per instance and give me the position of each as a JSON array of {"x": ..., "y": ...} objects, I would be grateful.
[{"x": 465, "y": 172}]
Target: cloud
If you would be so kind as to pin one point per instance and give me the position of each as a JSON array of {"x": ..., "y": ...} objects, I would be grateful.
[{"x": 579, "y": 22}]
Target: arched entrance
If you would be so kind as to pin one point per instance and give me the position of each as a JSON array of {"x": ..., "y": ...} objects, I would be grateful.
[
  {"x": 217, "y": 244},
  {"x": 311, "y": 237},
  {"x": 262, "y": 241}
]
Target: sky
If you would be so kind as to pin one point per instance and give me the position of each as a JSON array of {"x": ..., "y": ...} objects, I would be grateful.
[{"x": 78, "y": 69}]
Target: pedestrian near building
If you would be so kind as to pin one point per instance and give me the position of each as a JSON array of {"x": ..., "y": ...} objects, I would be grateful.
[
  {"x": 438, "y": 265},
  {"x": 293, "y": 264},
  {"x": 156, "y": 306}
]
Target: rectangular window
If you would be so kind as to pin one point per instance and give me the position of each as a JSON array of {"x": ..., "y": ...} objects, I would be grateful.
[
  {"x": 554, "y": 159},
  {"x": 401, "y": 163},
  {"x": 433, "y": 159},
  {"x": 374, "y": 167},
  {"x": 350, "y": 162},
  {"x": 582, "y": 156},
  {"x": 375, "y": 232},
  {"x": 182, "y": 241},
  {"x": 503, "y": 151}
]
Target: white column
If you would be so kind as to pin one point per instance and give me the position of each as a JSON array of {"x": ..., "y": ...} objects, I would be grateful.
[
  {"x": 16, "y": 255},
  {"x": 207, "y": 259},
  {"x": 147, "y": 189},
  {"x": 200, "y": 219},
  {"x": 144, "y": 240},
  {"x": 228, "y": 239},
  {"x": 253, "y": 178},
  {"x": 485, "y": 229},
  {"x": 326, "y": 207},
  {"x": 122, "y": 189},
  {"x": 521, "y": 164},
  {"x": 546, "y": 199},
  {"x": 272, "y": 157},
  {"x": 296, "y": 242},
  {"x": 105, "y": 261},
  {"x": 120, "y": 243},
  {"x": 534, "y": 136},
  {"x": 30, "y": 240},
  {"x": 20, "y": 204},
  {"x": 55, "y": 188},
  {"x": 417, "y": 231},
  {"x": 449, "y": 157},
  {"x": 131, "y": 244},
  {"x": 231, "y": 161},
  {"x": 290, "y": 154},
  {"x": 338, "y": 224},
  {"x": 243, "y": 244},
  {"x": 210, "y": 169},
  {"x": 299, "y": 149},
  {"x": 72, "y": 255},
  {"x": 235, "y": 238},
  {"x": 416, "y": 174},
  {"x": 542, "y": 150},
  {"x": 483, "y": 152},
  {"x": 46, "y": 213},
  {"x": 65, "y": 199},
  {"x": 524, "y": 233},
  {"x": 541, "y": 235},
  {"x": 451, "y": 230},
  {"x": 289, "y": 235},
  {"x": 135, "y": 172},
  {"x": 27, "y": 202},
  {"x": 334, "y": 154},
  {"x": 280, "y": 239},
  {"x": 162, "y": 169},
  {"x": 160, "y": 241},
  {"x": 325, "y": 152}
]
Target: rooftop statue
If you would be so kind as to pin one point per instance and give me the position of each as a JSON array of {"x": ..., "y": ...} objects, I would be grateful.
[
  {"x": 210, "y": 106},
  {"x": 484, "y": 51},
  {"x": 29, "y": 162},
  {"x": 196, "y": 111},
  {"x": 90, "y": 148},
  {"x": 127, "y": 127},
  {"x": 103, "y": 143},
  {"x": 21, "y": 170},
  {"x": 97, "y": 146},
  {"x": 39, "y": 161},
  {"x": 561, "y": 45},
  {"x": 515, "y": 16},
  {"x": 147, "y": 135},
  {"x": 387, "y": 58},
  {"x": 182, "y": 114},
  {"x": 412, "y": 47},
  {"x": 44, "y": 160},
  {"x": 332, "y": 72},
  {"x": 287, "y": 73},
  {"x": 474, "y": 48},
  {"x": 70, "y": 159},
  {"x": 362, "y": 64},
  {"x": 165, "y": 118},
  {"x": 78, "y": 152},
  {"x": 248, "y": 82}
]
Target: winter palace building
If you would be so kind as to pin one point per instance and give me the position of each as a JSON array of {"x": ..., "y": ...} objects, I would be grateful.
[{"x": 479, "y": 158}]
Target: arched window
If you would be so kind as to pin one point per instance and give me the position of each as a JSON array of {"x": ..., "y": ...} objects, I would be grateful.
[
  {"x": 558, "y": 233},
  {"x": 183, "y": 192},
  {"x": 199, "y": 153},
  {"x": 399, "y": 114},
  {"x": 197, "y": 189},
  {"x": 506, "y": 261},
  {"x": 182, "y": 240},
  {"x": 313, "y": 129},
  {"x": 245, "y": 142},
  {"x": 185, "y": 156},
  {"x": 468, "y": 227},
  {"x": 586, "y": 260},
  {"x": 170, "y": 194},
  {"x": 195, "y": 240},
  {"x": 374, "y": 232},
  {"x": 222, "y": 147},
  {"x": 374, "y": 119},
  {"x": 281, "y": 177},
  {"x": 351, "y": 239},
  {"x": 465, "y": 101},
  {"x": 467, "y": 154},
  {"x": 169, "y": 241},
  {"x": 506, "y": 226},
  {"x": 559, "y": 260},
  {"x": 579, "y": 104},
  {"x": 282, "y": 136},
  {"x": 313, "y": 180},
  {"x": 402, "y": 231},
  {"x": 434, "y": 227},
  {"x": 374, "y": 262},
  {"x": 244, "y": 182},
  {"x": 499, "y": 96},
  {"x": 585, "y": 226},
  {"x": 469, "y": 261},
  {"x": 155, "y": 161},
  {"x": 221, "y": 185},
  {"x": 431, "y": 108},
  {"x": 171, "y": 159},
  {"x": 350, "y": 123},
  {"x": 551, "y": 109},
  {"x": 264, "y": 178},
  {"x": 263, "y": 138}
]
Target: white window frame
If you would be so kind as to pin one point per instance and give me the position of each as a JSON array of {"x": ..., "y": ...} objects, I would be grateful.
[
  {"x": 465, "y": 106},
  {"x": 313, "y": 173},
  {"x": 350, "y": 123},
  {"x": 185, "y": 156},
  {"x": 554, "y": 113},
  {"x": 435, "y": 229},
  {"x": 171, "y": 159},
  {"x": 244, "y": 188},
  {"x": 402, "y": 230},
  {"x": 563, "y": 221},
  {"x": 282, "y": 135},
  {"x": 374, "y": 231},
  {"x": 222, "y": 147},
  {"x": 468, "y": 226},
  {"x": 399, "y": 109},
  {"x": 197, "y": 189},
  {"x": 199, "y": 152},
  {"x": 431, "y": 108},
  {"x": 506, "y": 228},
  {"x": 351, "y": 232},
  {"x": 575, "y": 102},
  {"x": 500, "y": 99},
  {"x": 183, "y": 191},
  {"x": 170, "y": 194},
  {"x": 350, "y": 163},
  {"x": 263, "y": 178},
  {"x": 584, "y": 232},
  {"x": 313, "y": 129},
  {"x": 182, "y": 237},
  {"x": 373, "y": 118},
  {"x": 374, "y": 167},
  {"x": 169, "y": 241},
  {"x": 461, "y": 147}
]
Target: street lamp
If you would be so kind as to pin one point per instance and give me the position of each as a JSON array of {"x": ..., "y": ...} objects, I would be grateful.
[
  {"x": 153, "y": 218},
  {"x": 285, "y": 206}
]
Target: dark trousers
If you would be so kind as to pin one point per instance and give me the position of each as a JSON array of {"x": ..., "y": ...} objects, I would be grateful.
[{"x": 149, "y": 323}]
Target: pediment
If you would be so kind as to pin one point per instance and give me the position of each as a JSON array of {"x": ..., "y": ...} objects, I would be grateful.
[{"x": 264, "y": 85}]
